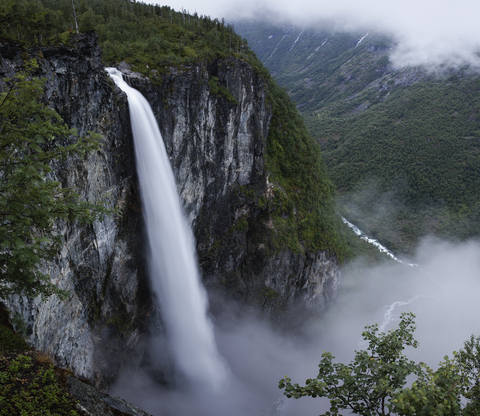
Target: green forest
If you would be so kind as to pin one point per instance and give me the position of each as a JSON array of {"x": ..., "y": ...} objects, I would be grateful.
[
  {"x": 149, "y": 37},
  {"x": 414, "y": 156}
]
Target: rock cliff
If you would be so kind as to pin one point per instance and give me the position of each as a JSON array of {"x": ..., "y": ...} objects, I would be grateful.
[{"x": 214, "y": 118}]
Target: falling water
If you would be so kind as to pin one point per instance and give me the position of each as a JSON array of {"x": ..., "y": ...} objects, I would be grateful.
[
  {"x": 375, "y": 243},
  {"x": 173, "y": 268}
]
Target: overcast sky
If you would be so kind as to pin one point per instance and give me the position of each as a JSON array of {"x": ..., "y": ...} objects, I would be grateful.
[{"x": 428, "y": 31}]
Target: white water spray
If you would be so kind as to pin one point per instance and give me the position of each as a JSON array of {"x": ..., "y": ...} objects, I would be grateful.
[{"x": 173, "y": 267}]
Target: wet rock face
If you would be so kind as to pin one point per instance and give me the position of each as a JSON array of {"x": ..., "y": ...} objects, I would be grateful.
[
  {"x": 99, "y": 328},
  {"x": 214, "y": 143},
  {"x": 214, "y": 119}
]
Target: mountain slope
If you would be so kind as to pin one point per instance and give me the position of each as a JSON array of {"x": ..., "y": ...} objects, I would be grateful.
[
  {"x": 402, "y": 146},
  {"x": 317, "y": 66}
]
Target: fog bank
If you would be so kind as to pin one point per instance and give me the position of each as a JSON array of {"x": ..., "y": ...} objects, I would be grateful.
[{"x": 443, "y": 292}]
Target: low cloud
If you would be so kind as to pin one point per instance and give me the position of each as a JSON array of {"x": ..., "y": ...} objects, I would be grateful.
[{"x": 427, "y": 32}]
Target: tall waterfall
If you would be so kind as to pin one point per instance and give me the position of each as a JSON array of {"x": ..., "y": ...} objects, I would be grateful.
[{"x": 172, "y": 264}]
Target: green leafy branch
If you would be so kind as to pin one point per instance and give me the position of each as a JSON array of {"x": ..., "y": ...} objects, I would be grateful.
[
  {"x": 375, "y": 382},
  {"x": 33, "y": 138}
]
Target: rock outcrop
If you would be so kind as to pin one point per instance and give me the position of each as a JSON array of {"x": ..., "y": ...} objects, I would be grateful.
[
  {"x": 217, "y": 148},
  {"x": 93, "y": 403},
  {"x": 216, "y": 141}
]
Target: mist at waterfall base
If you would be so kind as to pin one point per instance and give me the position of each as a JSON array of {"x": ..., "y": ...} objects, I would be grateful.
[{"x": 443, "y": 293}]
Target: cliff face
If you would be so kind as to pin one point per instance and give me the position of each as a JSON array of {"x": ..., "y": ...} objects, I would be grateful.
[
  {"x": 99, "y": 327},
  {"x": 214, "y": 120},
  {"x": 217, "y": 148}
]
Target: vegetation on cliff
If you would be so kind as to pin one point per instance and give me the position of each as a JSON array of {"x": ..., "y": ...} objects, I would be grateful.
[
  {"x": 29, "y": 383},
  {"x": 304, "y": 206},
  {"x": 152, "y": 39},
  {"x": 149, "y": 37},
  {"x": 33, "y": 137}
]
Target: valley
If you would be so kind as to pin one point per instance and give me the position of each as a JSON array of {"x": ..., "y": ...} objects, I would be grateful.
[{"x": 401, "y": 144}]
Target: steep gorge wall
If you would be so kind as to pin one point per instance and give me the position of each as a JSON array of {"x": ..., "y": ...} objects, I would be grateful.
[
  {"x": 217, "y": 146},
  {"x": 100, "y": 326}
]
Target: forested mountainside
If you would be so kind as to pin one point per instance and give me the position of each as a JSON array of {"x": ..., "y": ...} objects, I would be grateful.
[
  {"x": 401, "y": 145},
  {"x": 250, "y": 178}
]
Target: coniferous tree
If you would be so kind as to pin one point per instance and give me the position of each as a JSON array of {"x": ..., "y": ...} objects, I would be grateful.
[{"x": 31, "y": 202}]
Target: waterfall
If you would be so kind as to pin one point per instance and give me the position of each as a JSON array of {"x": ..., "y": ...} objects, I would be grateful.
[
  {"x": 374, "y": 242},
  {"x": 172, "y": 264}
]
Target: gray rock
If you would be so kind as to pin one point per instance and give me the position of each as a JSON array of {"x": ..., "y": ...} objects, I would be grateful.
[
  {"x": 93, "y": 403},
  {"x": 101, "y": 327}
]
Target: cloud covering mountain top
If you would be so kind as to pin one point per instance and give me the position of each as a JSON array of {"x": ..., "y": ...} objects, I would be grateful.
[{"x": 428, "y": 32}]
